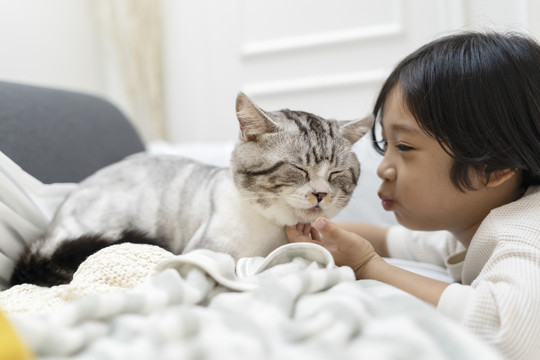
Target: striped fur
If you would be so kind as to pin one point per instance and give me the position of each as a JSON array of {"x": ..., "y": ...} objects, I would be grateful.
[{"x": 287, "y": 167}]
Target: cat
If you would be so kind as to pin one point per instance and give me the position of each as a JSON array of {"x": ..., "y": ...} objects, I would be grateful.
[{"x": 287, "y": 167}]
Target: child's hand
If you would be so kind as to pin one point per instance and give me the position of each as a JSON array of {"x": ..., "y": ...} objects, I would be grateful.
[
  {"x": 347, "y": 248},
  {"x": 352, "y": 250}
]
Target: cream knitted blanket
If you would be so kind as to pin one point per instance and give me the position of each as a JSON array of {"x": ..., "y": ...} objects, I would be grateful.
[{"x": 114, "y": 269}]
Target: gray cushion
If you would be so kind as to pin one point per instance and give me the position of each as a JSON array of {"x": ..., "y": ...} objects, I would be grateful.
[{"x": 62, "y": 136}]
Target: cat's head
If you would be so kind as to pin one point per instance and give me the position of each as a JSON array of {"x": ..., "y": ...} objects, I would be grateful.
[{"x": 293, "y": 166}]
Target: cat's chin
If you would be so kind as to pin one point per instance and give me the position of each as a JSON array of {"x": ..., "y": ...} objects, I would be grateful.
[
  {"x": 310, "y": 215},
  {"x": 290, "y": 216}
]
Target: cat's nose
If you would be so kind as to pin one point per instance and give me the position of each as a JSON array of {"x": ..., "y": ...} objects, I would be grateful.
[{"x": 320, "y": 196}]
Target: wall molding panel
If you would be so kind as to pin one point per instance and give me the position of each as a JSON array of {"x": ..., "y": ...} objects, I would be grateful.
[
  {"x": 326, "y": 57},
  {"x": 321, "y": 82},
  {"x": 376, "y": 32}
]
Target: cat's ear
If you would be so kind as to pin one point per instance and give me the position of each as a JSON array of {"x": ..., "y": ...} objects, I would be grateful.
[
  {"x": 252, "y": 119},
  {"x": 355, "y": 129}
]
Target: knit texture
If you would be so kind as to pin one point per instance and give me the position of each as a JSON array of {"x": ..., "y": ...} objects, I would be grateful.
[{"x": 116, "y": 268}]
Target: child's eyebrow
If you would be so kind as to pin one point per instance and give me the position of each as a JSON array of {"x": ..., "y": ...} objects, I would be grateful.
[
  {"x": 402, "y": 127},
  {"x": 405, "y": 128}
]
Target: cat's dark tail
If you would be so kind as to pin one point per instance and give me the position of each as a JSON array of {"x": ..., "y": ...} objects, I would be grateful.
[{"x": 59, "y": 268}]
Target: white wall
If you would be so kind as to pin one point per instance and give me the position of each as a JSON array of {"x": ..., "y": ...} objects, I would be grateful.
[
  {"x": 56, "y": 43},
  {"x": 269, "y": 48},
  {"x": 51, "y": 42},
  {"x": 322, "y": 56}
]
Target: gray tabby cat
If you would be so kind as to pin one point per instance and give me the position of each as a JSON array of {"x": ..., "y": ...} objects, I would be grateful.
[{"x": 287, "y": 167}]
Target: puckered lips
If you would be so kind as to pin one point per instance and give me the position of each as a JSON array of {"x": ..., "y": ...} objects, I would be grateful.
[{"x": 387, "y": 203}]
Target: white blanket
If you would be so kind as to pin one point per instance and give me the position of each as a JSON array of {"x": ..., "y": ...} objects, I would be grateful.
[{"x": 293, "y": 304}]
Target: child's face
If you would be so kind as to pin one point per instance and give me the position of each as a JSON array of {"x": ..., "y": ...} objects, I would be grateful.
[{"x": 416, "y": 182}]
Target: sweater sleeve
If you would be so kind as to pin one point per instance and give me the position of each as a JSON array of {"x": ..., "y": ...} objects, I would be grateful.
[{"x": 430, "y": 247}]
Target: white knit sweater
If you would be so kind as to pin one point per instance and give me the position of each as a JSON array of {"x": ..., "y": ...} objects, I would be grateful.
[{"x": 497, "y": 289}]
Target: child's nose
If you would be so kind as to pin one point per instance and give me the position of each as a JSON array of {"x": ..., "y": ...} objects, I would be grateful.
[{"x": 386, "y": 171}]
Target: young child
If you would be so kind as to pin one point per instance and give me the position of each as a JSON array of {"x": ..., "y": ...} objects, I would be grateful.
[{"x": 460, "y": 120}]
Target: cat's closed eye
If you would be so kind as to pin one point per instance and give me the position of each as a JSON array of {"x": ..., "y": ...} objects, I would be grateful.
[
  {"x": 303, "y": 171},
  {"x": 333, "y": 175},
  {"x": 289, "y": 175}
]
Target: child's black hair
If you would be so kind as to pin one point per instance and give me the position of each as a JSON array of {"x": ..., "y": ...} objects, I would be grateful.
[{"x": 478, "y": 95}]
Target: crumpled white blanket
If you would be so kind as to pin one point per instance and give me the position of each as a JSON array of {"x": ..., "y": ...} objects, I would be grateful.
[{"x": 293, "y": 304}]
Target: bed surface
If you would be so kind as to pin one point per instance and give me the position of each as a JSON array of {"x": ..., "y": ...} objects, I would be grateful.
[{"x": 293, "y": 304}]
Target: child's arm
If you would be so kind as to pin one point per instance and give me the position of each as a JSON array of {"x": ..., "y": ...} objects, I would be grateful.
[{"x": 352, "y": 250}]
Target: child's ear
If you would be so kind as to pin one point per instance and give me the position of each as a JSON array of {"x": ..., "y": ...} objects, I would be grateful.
[{"x": 499, "y": 177}]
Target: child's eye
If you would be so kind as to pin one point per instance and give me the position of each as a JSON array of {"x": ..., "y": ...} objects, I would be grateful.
[
  {"x": 383, "y": 144},
  {"x": 402, "y": 147}
]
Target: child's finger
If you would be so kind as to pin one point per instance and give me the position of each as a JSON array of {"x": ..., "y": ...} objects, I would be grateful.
[
  {"x": 330, "y": 232},
  {"x": 306, "y": 228},
  {"x": 315, "y": 235},
  {"x": 301, "y": 228},
  {"x": 295, "y": 233}
]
